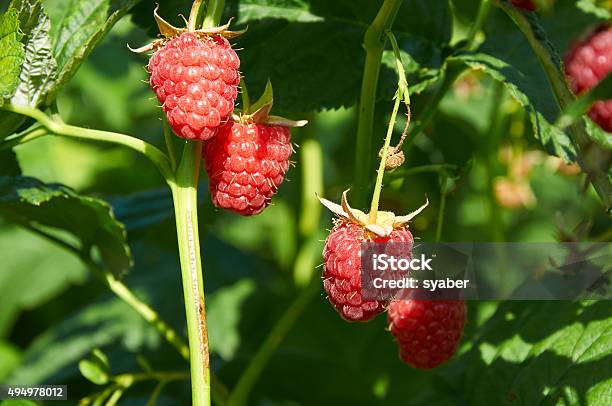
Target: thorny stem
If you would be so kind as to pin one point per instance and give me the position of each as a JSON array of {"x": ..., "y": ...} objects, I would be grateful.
[
  {"x": 56, "y": 126},
  {"x": 374, "y": 42}
]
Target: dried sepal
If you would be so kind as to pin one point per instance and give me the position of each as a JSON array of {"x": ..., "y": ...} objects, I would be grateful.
[
  {"x": 400, "y": 220},
  {"x": 165, "y": 28},
  {"x": 169, "y": 31},
  {"x": 385, "y": 222},
  {"x": 147, "y": 48}
]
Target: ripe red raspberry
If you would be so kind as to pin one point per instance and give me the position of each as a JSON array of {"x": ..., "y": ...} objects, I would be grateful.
[
  {"x": 342, "y": 269},
  {"x": 427, "y": 331},
  {"x": 196, "y": 81},
  {"x": 246, "y": 163},
  {"x": 524, "y": 4},
  {"x": 588, "y": 62}
]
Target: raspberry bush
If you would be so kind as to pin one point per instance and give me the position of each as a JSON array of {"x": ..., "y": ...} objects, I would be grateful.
[{"x": 166, "y": 239}]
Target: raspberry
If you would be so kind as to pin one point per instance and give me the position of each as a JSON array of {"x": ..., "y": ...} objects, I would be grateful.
[
  {"x": 427, "y": 331},
  {"x": 246, "y": 163},
  {"x": 588, "y": 62},
  {"x": 524, "y": 4},
  {"x": 342, "y": 269},
  {"x": 196, "y": 81}
]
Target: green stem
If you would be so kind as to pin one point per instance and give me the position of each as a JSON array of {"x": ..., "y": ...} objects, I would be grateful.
[
  {"x": 119, "y": 289},
  {"x": 220, "y": 391},
  {"x": 481, "y": 17},
  {"x": 213, "y": 13},
  {"x": 184, "y": 193},
  {"x": 240, "y": 395},
  {"x": 194, "y": 15},
  {"x": 381, "y": 168},
  {"x": 591, "y": 157},
  {"x": 60, "y": 128},
  {"x": 22, "y": 139},
  {"x": 374, "y": 42},
  {"x": 169, "y": 139},
  {"x": 185, "y": 197}
]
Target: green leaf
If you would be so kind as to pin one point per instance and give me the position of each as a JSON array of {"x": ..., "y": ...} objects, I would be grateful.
[
  {"x": 12, "y": 402},
  {"x": 54, "y": 269},
  {"x": 76, "y": 28},
  {"x": 39, "y": 68},
  {"x": 54, "y": 354},
  {"x": 548, "y": 358},
  {"x": 300, "y": 46},
  {"x": 224, "y": 313},
  {"x": 29, "y": 201},
  {"x": 524, "y": 83},
  {"x": 9, "y": 358},
  {"x": 594, "y": 158},
  {"x": 11, "y": 53},
  {"x": 93, "y": 372},
  {"x": 100, "y": 358},
  {"x": 600, "y": 8}
]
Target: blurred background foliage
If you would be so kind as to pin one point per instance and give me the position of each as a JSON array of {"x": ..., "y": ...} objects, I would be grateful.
[{"x": 499, "y": 185}]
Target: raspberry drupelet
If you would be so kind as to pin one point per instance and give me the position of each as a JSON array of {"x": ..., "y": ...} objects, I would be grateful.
[
  {"x": 427, "y": 331},
  {"x": 246, "y": 163},
  {"x": 342, "y": 270},
  {"x": 196, "y": 80},
  {"x": 342, "y": 255}
]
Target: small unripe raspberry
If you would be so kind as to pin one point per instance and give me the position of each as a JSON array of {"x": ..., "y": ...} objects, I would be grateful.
[
  {"x": 586, "y": 64},
  {"x": 342, "y": 269},
  {"x": 427, "y": 331},
  {"x": 524, "y": 4},
  {"x": 195, "y": 78},
  {"x": 246, "y": 163}
]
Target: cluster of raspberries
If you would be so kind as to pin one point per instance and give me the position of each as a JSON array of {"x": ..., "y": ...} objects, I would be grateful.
[
  {"x": 427, "y": 331},
  {"x": 196, "y": 80}
]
